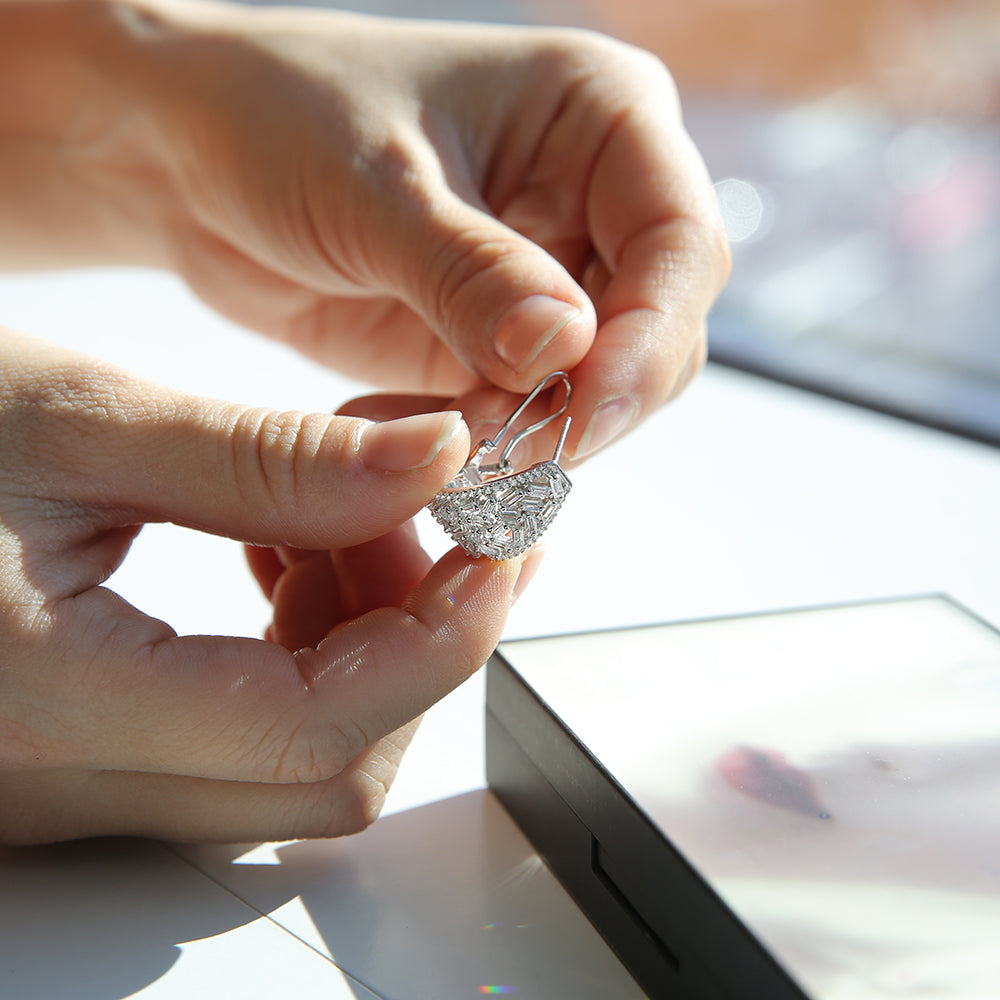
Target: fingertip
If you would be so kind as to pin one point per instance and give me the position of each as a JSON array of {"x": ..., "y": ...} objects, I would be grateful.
[
  {"x": 501, "y": 303},
  {"x": 542, "y": 325},
  {"x": 606, "y": 424},
  {"x": 265, "y": 566},
  {"x": 409, "y": 444},
  {"x": 461, "y": 591},
  {"x": 381, "y": 572},
  {"x": 383, "y": 406},
  {"x": 307, "y": 603}
]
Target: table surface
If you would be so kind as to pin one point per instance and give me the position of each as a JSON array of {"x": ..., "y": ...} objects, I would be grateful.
[{"x": 741, "y": 496}]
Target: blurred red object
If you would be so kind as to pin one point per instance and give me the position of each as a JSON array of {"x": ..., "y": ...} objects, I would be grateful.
[{"x": 765, "y": 775}]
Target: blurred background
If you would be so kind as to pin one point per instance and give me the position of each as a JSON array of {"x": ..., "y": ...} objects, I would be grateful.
[{"x": 856, "y": 153}]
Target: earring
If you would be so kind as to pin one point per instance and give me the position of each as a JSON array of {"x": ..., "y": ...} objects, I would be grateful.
[{"x": 492, "y": 511}]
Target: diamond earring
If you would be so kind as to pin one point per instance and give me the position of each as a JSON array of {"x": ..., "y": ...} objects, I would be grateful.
[{"x": 492, "y": 511}]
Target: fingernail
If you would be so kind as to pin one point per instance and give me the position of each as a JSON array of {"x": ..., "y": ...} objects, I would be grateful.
[
  {"x": 409, "y": 443},
  {"x": 528, "y": 570},
  {"x": 527, "y": 329},
  {"x": 608, "y": 422}
]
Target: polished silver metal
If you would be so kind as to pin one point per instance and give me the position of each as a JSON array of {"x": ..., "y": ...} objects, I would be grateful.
[{"x": 490, "y": 509}]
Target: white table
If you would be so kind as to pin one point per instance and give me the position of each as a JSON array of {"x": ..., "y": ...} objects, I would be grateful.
[{"x": 754, "y": 497}]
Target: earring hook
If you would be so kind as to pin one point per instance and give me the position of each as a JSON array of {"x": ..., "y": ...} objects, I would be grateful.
[
  {"x": 538, "y": 425},
  {"x": 475, "y": 472},
  {"x": 492, "y": 511}
]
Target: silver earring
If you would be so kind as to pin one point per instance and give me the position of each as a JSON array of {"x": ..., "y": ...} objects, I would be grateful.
[{"x": 492, "y": 511}]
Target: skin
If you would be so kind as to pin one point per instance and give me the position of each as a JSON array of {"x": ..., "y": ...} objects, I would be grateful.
[{"x": 446, "y": 211}]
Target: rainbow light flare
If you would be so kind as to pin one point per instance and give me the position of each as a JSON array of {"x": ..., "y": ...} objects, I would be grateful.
[{"x": 492, "y": 990}]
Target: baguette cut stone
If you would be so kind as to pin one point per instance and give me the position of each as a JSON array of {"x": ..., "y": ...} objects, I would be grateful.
[{"x": 504, "y": 517}]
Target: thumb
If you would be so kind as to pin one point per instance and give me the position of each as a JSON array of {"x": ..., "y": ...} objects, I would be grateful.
[
  {"x": 106, "y": 438},
  {"x": 501, "y": 303}
]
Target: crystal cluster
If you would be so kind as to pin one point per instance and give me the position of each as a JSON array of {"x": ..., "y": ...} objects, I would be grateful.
[{"x": 503, "y": 517}]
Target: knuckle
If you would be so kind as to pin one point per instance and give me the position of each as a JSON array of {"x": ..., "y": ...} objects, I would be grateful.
[
  {"x": 357, "y": 805},
  {"x": 311, "y": 755},
  {"x": 272, "y": 451},
  {"x": 367, "y": 799},
  {"x": 391, "y": 162},
  {"x": 302, "y": 744},
  {"x": 599, "y": 57},
  {"x": 651, "y": 69},
  {"x": 304, "y": 764},
  {"x": 350, "y": 803},
  {"x": 460, "y": 268}
]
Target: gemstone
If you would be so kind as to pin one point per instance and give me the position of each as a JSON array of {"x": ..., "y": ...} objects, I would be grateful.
[{"x": 504, "y": 518}]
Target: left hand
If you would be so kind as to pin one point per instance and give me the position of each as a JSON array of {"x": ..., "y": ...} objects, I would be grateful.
[{"x": 110, "y": 723}]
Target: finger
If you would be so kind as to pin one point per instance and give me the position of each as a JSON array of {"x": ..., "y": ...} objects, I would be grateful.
[
  {"x": 380, "y": 573},
  {"x": 388, "y": 345},
  {"x": 392, "y": 406},
  {"x": 307, "y": 603},
  {"x": 507, "y": 308},
  {"x": 314, "y": 481},
  {"x": 54, "y": 805},
  {"x": 485, "y": 410},
  {"x": 265, "y": 565},
  {"x": 320, "y": 590},
  {"x": 657, "y": 231},
  {"x": 248, "y": 710},
  {"x": 596, "y": 278},
  {"x": 648, "y": 344}
]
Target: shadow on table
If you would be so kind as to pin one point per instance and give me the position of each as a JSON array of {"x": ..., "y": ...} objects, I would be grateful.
[
  {"x": 101, "y": 920},
  {"x": 444, "y": 900}
]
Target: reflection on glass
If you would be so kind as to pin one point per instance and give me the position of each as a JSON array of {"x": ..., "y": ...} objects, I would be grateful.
[
  {"x": 832, "y": 774},
  {"x": 743, "y": 210}
]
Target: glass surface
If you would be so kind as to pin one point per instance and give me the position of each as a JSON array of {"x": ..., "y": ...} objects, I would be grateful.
[
  {"x": 832, "y": 774},
  {"x": 865, "y": 250},
  {"x": 856, "y": 156}
]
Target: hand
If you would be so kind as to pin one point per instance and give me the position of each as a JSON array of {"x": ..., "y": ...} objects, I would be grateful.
[
  {"x": 431, "y": 208},
  {"x": 110, "y": 723}
]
